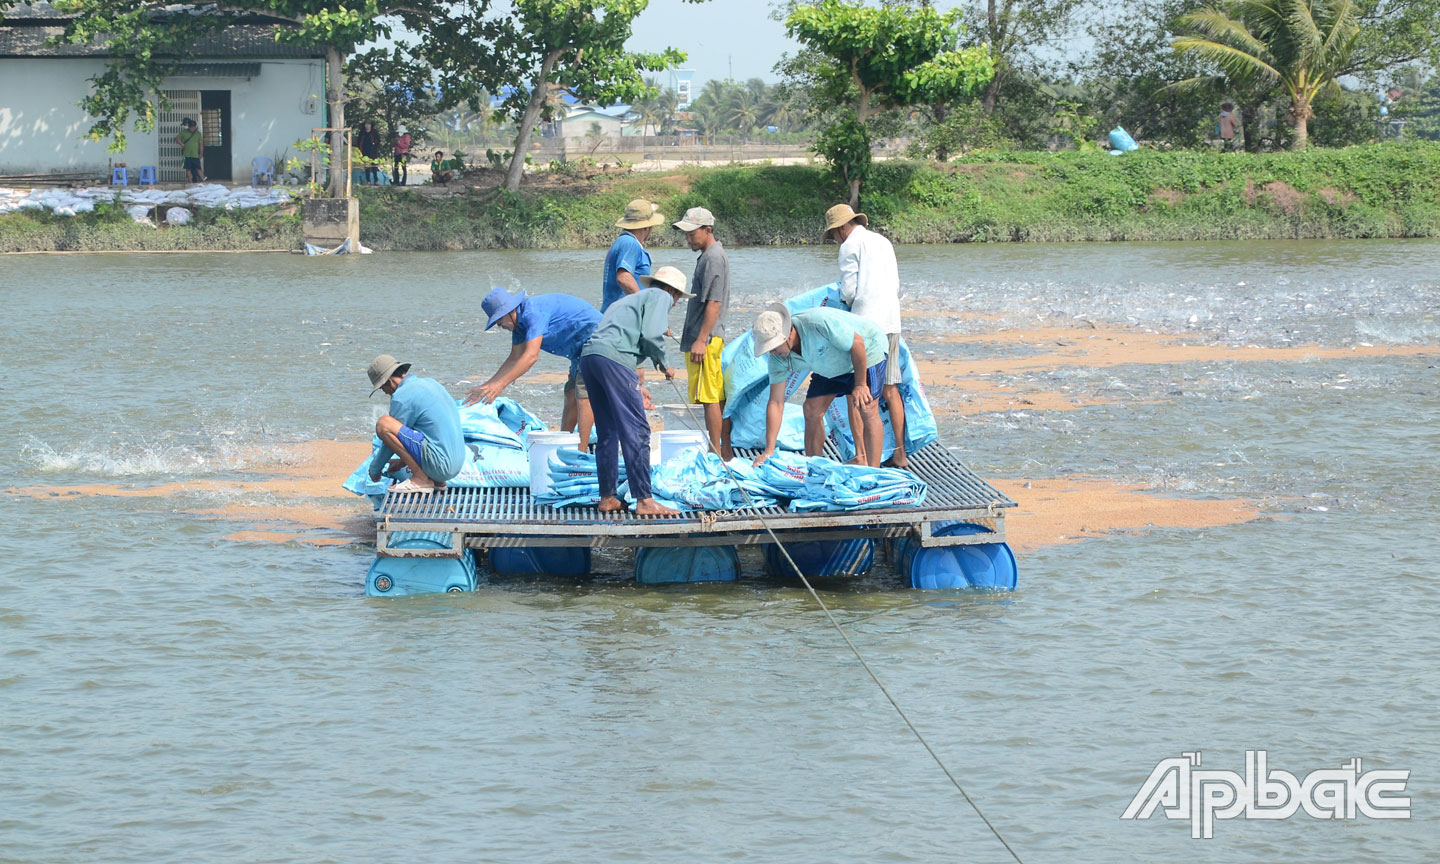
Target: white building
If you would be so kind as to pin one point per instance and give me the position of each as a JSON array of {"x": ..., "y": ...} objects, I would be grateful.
[{"x": 252, "y": 96}]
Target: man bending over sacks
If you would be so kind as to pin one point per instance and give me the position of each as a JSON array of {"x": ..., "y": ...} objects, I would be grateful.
[
  {"x": 844, "y": 354},
  {"x": 421, "y": 430}
]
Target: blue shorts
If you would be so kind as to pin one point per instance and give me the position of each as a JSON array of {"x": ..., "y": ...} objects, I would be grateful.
[
  {"x": 413, "y": 442},
  {"x": 192, "y": 163},
  {"x": 841, "y": 386}
]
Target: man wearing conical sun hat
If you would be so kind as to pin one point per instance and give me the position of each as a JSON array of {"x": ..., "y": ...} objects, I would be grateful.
[
  {"x": 870, "y": 283},
  {"x": 631, "y": 331},
  {"x": 627, "y": 259}
]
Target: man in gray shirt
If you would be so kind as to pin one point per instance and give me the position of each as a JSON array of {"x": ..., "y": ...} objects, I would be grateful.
[{"x": 704, "y": 335}]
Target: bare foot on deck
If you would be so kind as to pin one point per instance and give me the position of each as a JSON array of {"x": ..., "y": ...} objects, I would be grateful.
[
  {"x": 610, "y": 504},
  {"x": 892, "y": 462},
  {"x": 651, "y": 507}
]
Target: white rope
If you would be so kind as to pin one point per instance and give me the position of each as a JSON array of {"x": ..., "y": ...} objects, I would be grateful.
[{"x": 750, "y": 502}]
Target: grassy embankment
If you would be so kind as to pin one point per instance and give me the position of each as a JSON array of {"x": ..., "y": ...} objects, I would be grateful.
[{"x": 1388, "y": 190}]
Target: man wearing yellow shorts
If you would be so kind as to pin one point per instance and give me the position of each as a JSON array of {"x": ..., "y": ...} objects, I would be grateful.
[{"x": 704, "y": 333}]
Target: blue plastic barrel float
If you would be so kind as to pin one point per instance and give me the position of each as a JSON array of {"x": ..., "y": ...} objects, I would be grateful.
[
  {"x": 662, "y": 565},
  {"x": 983, "y": 565},
  {"x": 820, "y": 559},
  {"x": 398, "y": 577},
  {"x": 540, "y": 560}
]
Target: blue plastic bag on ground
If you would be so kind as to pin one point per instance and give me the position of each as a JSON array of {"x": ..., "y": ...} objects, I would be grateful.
[{"x": 1121, "y": 140}]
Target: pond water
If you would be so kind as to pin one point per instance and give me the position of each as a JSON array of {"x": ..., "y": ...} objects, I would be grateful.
[{"x": 168, "y": 694}]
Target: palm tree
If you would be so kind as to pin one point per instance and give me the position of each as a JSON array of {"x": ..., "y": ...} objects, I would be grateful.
[
  {"x": 1301, "y": 46},
  {"x": 742, "y": 110}
]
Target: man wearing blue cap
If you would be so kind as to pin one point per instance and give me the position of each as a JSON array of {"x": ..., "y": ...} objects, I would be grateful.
[{"x": 554, "y": 323}]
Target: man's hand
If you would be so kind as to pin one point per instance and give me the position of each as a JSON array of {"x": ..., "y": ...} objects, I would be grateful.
[
  {"x": 861, "y": 396},
  {"x": 697, "y": 352},
  {"x": 760, "y": 460},
  {"x": 669, "y": 373},
  {"x": 484, "y": 393},
  {"x": 645, "y": 400}
]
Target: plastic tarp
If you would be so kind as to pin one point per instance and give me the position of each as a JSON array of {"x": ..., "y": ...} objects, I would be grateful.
[
  {"x": 747, "y": 390},
  {"x": 1121, "y": 140},
  {"x": 696, "y": 479}
]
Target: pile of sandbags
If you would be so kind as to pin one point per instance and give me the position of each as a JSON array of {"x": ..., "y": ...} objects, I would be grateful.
[{"x": 138, "y": 200}]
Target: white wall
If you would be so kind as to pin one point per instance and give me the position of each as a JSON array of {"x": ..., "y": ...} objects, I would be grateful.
[{"x": 42, "y": 127}]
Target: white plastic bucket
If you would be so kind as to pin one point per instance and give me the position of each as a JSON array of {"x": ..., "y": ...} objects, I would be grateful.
[
  {"x": 679, "y": 416},
  {"x": 672, "y": 441},
  {"x": 541, "y": 445}
]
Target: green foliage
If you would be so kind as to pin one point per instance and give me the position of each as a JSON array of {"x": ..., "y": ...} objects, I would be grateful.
[
  {"x": 1301, "y": 47},
  {"x": 391, "y": 88},
  {"x": 871, "y": 58}
]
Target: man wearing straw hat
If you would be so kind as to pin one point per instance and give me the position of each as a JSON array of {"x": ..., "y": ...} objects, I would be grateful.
[
  {"x": 557, "y": 324},
  {"x": 844, "y": 354},
  {"x": 627, "y": 259},
  {"x": 870, "y": 284},
  {"x": 421, "y": 429},
  {"x": 630, "y": 332},
  {"x": 704, "y": 335}
]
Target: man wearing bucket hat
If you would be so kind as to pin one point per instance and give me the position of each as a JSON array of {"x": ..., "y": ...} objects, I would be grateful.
[
  {"x": 421, "y": 429},
  {"x": 704, "y": 335},
  {"x": 627, "y": 259},
  {"x": 870, "y": 284},
  {"x": 557, "y": 324},
  {"x": 844, "y": 354},
  {"x": 630, "y": 332}
]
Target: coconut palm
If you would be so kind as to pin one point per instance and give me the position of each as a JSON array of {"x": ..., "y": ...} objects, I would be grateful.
[{"x": 1300, "y": 46}]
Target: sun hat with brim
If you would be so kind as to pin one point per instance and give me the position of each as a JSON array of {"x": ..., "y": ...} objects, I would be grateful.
[
  {"x": 499, "y": 303},
  {"x": 382, "y": 369},
  {"x": 841, "y": 214},
  {"x": 640, "y": 214},
  {"x": 667, "y": 277},
  {"x": 772, "y": 327},
  {"x": 696, "y": 217}
]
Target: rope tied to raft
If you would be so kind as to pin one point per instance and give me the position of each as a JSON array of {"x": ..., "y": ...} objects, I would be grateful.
[{"x": 815, "y": 595}]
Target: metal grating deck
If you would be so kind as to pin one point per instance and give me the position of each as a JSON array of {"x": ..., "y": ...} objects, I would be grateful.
[{"x": 510, "y": 517}]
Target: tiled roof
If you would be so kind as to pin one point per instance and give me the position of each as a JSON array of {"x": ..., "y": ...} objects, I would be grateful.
[{"x": 26, "y": 28}]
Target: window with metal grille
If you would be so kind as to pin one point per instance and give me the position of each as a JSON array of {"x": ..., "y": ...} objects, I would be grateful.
[{"x": 212, "y": 126}]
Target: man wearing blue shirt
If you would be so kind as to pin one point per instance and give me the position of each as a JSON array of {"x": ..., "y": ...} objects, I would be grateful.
[
  {"x": 422, "y": 428},
  {"x": 554, "y": 323},
  {"x": 627, "y": 259},
  {"x": 630, "y": 331},
  {"x": 845, "y": 356}
]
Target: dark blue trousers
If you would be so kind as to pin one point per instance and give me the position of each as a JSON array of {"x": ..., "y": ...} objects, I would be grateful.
[{"x": 620, "y": 425}]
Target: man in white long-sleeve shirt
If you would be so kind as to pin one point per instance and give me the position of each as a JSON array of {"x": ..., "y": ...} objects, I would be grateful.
[{"x": 870, "y": 283}]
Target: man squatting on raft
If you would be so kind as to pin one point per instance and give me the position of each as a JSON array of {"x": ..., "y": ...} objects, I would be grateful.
[
  {"x": 703, "y": 337},
  {"x": 631, "y": 330},
  {"x": 421, "y": 430},
  {"x": 555, "y": 323},
  {"x": 870, "y": 284},
  {"x": 844, "y": 354}
]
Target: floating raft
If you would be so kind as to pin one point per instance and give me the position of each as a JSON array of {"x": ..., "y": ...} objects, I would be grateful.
[{"x": 501, "y": 518}]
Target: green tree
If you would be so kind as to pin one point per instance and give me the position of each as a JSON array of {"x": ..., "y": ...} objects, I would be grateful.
[
  {"x": 1013, "y": 30},
  {"x": 148, "y": 39},
  {"x": 545, "y": 47},
  {"x": 864, "y": 59},
  {"x": 1299, "y": 46},
  {"x": 391, "y": 88}
]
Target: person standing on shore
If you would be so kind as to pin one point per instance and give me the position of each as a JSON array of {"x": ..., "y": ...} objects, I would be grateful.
[
  {"x": 1227, "y": 126},
  {"x": 421, "y": 430},
  {"x": 192, "y": 150},
  {"x": 844, "y": 354},
  {"x": 704, "y": 332},
  {"x": 631, "y": 331},
  {"x": 627, "y": 258},
  {"x": 554, "y": 323},
  {"x": 870, "y": 284},
  {"x": 401, "y": 171},
  {"x": 369, "y": 144}
]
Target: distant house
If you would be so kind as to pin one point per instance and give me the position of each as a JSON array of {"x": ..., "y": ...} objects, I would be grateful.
[
  {"x": 251, "y": 95},
  {"x": 583, "y": 124}
]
